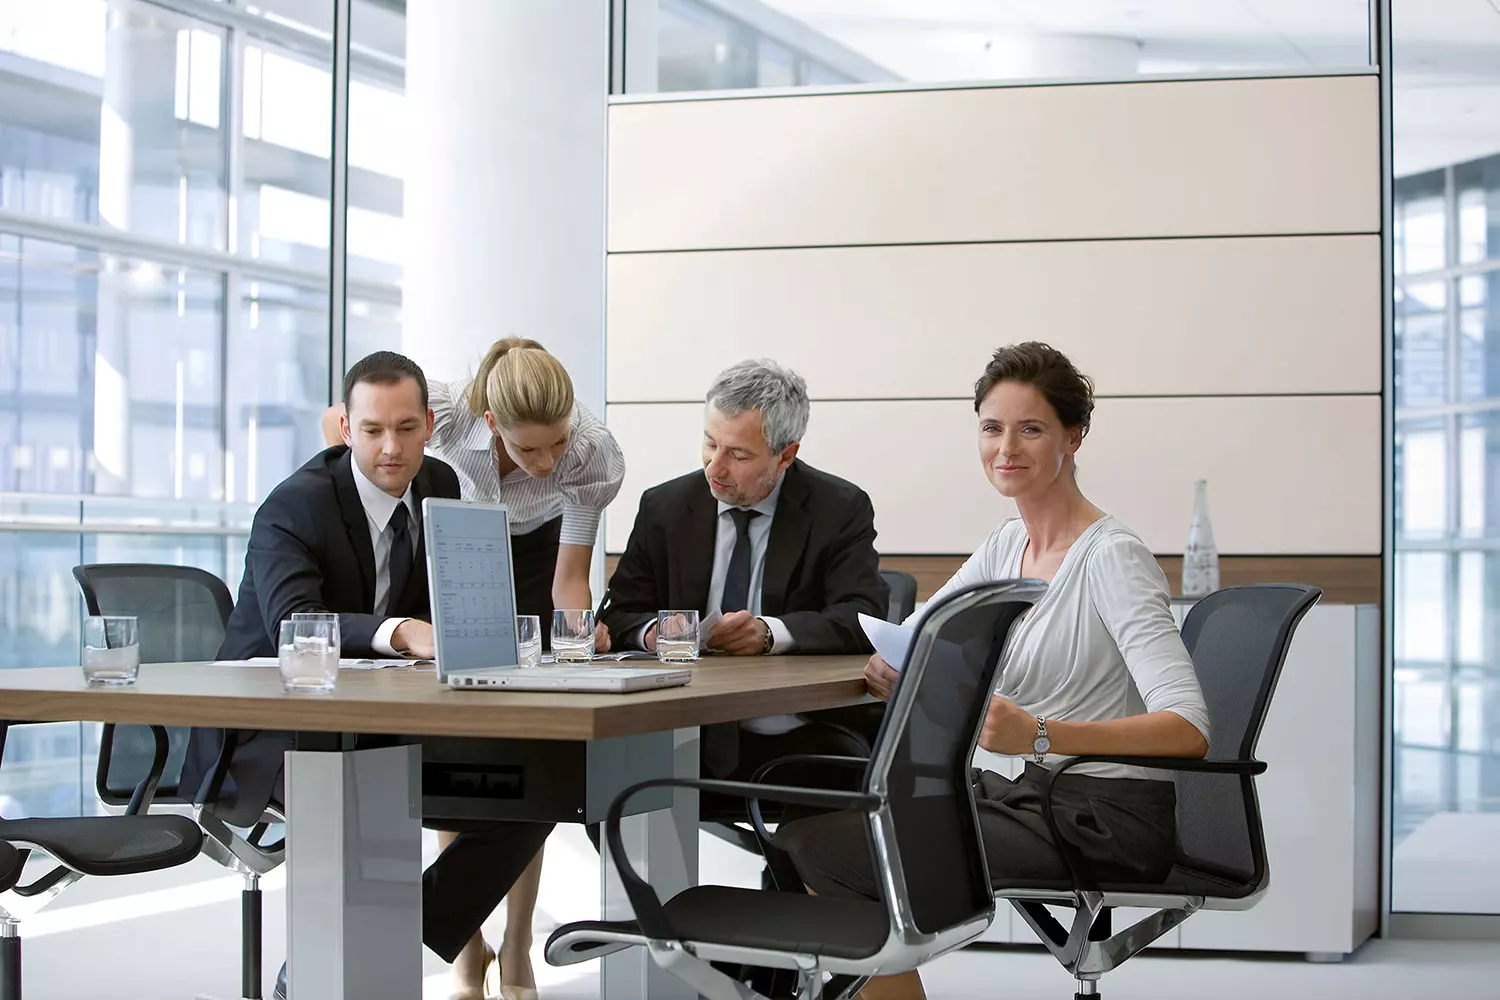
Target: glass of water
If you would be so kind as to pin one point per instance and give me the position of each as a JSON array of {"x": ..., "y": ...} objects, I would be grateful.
[
  {"x": 528, "y": 641},
  {"x": 677, "y": 636},
  {"x": 308, "y": 653},
  {"x": 573, "y": 636},
  {"x": 111, "y": 651}
]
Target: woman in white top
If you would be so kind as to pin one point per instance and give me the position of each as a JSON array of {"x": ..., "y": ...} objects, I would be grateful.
[
  {"x": 516, "y": 435},
  {"x": 1096, "y": 667}
]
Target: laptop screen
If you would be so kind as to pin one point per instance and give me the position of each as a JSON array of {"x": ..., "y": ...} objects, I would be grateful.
[{"x": 473, "y": 590}]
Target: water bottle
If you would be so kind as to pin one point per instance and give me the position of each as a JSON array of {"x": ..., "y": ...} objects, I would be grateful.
[{"x": 1200, "y": 561}]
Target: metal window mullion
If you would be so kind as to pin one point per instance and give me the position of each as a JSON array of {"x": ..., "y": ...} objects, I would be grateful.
[
  {"x": 338, "y": 203},
  {"x": 233, "y": 117}
]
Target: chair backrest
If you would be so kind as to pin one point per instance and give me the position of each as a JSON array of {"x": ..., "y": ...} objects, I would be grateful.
[
  {"x": 926, "y": 837},
  {"x": 903, "y": 594},
  {"x": 182, "y": 612},
  {"x": 1238, "y": 638}
]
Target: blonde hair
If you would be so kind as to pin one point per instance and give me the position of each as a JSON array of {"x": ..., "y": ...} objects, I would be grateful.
[{"x": 520, "y": 383}]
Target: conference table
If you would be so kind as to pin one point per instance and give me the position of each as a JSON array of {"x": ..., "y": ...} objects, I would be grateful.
[{"x": 354, "y": 814}]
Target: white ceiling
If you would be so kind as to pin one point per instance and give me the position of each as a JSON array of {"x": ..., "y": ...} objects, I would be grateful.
[{"x": 1447, "y": 52}]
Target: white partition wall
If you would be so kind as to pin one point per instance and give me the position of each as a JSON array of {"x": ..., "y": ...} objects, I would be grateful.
[{"x": 1209, "y": 251}]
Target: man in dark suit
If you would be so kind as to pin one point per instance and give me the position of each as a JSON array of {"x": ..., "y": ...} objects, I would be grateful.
[
  {"x": 342, "y": 534},
  {"x": 785, "y": 552}
]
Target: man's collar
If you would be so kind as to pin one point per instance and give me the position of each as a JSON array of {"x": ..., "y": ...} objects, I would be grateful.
[
  {"x": 767, "y": 507},
  {"x": 379, "y": 505}
]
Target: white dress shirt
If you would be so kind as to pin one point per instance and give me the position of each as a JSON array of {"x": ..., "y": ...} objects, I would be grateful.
[
  {"x": 760, "y": 535},
  {"x": 379, "y": 506},
  {"x": 724, "y": 539},
  {"x": 582, "y": 483},
  {"x": 1100, "y": 644}
]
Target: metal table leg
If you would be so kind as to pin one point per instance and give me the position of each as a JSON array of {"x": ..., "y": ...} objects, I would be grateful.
[
  {"x": 663, "y": 847},
  {"x": 354, "y": 874}
]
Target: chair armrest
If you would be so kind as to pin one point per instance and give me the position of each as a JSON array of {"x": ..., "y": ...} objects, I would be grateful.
[
  {"x": 752, "y": 807},
  {"x": 1079, "y": 868},
  {"x": 1250, "y": 767},
  {"x": 140, "y": 799},
  {"x": 649, "y": 914},
  {"x": 213, "y": 782}
]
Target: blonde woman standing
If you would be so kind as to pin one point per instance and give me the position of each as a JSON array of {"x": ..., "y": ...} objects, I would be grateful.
[{"x": 516, "y": 435}]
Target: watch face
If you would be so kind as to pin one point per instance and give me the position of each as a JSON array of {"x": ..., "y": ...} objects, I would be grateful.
[{"x": 1041, "y": 745}]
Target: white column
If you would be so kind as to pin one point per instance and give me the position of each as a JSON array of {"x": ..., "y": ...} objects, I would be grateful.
[{"x": 504, "y": 194}]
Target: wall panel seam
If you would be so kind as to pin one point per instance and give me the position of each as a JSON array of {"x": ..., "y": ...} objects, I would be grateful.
[{"x": 1145, "y": 238}]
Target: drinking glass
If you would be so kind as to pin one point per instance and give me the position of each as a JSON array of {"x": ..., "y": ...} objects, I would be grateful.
[
  {"x": 573, "y": 636},
  {"x": 677, "y": 636},
  {"x": 329, "y": 618},
  {"x": 308, "y": 654},
  {"x": 111, "y": 651},
  {"x": 528, "y": 641}
]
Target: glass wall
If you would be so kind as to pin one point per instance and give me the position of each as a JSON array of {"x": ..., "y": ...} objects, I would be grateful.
[
  {"x": 165, "y": 346},
  {"x": 1446, "y": 710},
  {"x": 687, "y": 45}
]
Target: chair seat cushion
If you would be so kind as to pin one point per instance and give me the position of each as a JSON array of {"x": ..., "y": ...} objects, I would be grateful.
[
  {"x": 779, "y": 921},
  {"x": 10, "y": 865},
  {"x": 110, "y": 845},
  {"x": 751, "y": 918},
  {"x": 1181, "y": 882}
]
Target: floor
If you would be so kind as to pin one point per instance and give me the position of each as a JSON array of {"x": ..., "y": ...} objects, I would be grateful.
[{"x": 175, "y": 938}]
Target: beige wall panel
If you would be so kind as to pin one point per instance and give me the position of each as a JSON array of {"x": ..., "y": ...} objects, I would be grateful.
[
  {"x": 1287, "y": 475},
  {"x": 1198, "y": 158},
  {"x": 1156, "y": 317}
]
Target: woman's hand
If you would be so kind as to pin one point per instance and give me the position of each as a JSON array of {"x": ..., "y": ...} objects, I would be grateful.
[
  {"x": 1007, "y": 729},
  {"x": 881, "y": 677},
  {"x": 601, "y": 638}
]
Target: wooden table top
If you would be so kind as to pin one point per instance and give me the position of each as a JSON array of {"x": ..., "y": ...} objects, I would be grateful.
[{"x": 409, "y": 701}]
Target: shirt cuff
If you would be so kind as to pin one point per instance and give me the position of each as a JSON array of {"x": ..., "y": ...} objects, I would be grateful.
[
  {"x": 381, "y": 643},
  {"x": 781, "y": 636},
  {"x": 580, "y": 526},
  {"x": 638, "y": 637}
]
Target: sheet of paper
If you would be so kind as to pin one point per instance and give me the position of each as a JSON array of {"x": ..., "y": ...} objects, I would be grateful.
[
  {"x": 348, "y": 663},
  {"x": 892, "y": 642},
  {"x": 705, "y": 626}
]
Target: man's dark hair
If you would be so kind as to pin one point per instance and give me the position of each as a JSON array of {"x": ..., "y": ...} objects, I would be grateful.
[
  {"x": 384, "y": 368},
  {"x": 1048, "y": 370}
]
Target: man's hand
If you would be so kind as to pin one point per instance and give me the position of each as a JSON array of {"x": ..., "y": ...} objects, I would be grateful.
[
  {"x": 1007, "y": 729},
  {"x": 601, "y": 638},
  {"x": 739, "y": 633},
  {"x": 413, "y": 638},
  {"x": 881, "y": 677},
  {"x": 649, "y": 639}
]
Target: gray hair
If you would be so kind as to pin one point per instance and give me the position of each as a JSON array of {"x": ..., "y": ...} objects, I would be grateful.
[{"x": 761, "y": 384}]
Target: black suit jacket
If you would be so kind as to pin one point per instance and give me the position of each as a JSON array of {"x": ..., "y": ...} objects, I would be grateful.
[
  {"x": 309, "y": 550},
  {"x": 821, "y": 567}
]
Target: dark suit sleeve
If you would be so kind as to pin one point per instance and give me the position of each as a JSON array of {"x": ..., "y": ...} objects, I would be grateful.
[
  {"x": 283, "y": 555},
  {"x": 852, "y": 584},
  {"x": 633, "y": 596}
]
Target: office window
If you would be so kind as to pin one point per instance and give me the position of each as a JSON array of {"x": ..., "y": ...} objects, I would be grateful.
[
  {"x": 726, "y": 45},
  {"x": 110, "y": 116},
  {"x": 167, "y": 364},
  {"x": 1446, "y": 710}
]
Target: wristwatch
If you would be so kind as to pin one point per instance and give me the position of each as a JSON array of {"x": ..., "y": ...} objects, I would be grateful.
[
  {"x": 1041, "y": 745},
  {"x": 770, "y": 643}
]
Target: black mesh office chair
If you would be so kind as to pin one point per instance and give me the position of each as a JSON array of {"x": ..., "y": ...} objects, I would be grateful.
[
  {"x": 182, "y": 612},
  {"x": 80, "y": 845},
  {"x": 923, "y": 835},
  {"x": 903, "y": 594},
  {"x": 1238, "y": 638}
]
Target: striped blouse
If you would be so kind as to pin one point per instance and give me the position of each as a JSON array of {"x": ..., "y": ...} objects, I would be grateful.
[{"x": 582, "y": 483}]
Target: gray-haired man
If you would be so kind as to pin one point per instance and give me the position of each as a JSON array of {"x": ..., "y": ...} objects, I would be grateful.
[{"x": 785, "y": 552}]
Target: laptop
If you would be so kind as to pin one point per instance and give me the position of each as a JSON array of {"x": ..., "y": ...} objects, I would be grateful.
[{"x": 472, "y": 584}]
